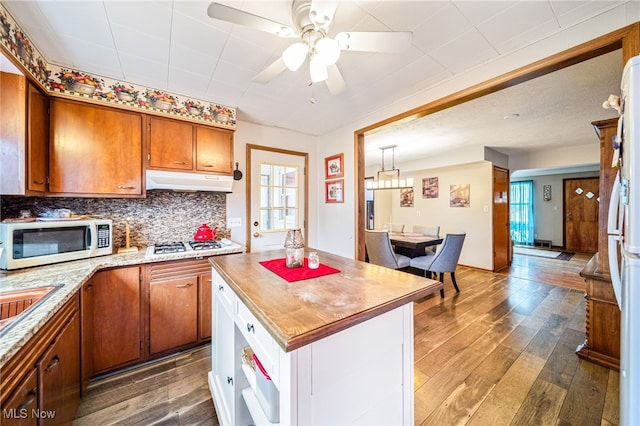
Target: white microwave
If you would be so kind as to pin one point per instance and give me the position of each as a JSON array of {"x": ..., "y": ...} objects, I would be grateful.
[{"x": 23, "y": 245}]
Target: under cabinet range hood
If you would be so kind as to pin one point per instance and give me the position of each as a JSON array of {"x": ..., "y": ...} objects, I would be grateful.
[{"x": 180, "y": 181}]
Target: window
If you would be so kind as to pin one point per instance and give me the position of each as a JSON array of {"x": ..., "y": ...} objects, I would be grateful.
[
  {"x": 278, "y": 197},
  {"x": 521, "y": 212}
]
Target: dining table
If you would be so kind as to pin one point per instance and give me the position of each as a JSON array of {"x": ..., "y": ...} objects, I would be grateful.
[{"x": 412, "y": 244}]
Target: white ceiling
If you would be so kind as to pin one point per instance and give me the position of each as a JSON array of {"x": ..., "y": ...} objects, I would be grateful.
[{"x": 175, "y": 46}]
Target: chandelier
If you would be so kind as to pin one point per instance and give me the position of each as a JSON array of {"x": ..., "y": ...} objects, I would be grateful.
[{"x": 392, "y": 180}]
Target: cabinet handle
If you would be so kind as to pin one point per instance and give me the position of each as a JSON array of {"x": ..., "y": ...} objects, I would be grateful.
[
  {"x": 209, "y": 280},
  {"x": 32, "y": 397},
  {"x": 230, "y": 380},
  {"x": 184, "y": 285},
  {"x": 126, "y": 187},
  {"x": 179, "y": 162},
  {"x": 54, "y": 364},
  {"x": 88, "y": 287},
  {"x": 250, "y": 328},
  {"x": 207, "y": 165},
  {"x": 38, "y": 182}
]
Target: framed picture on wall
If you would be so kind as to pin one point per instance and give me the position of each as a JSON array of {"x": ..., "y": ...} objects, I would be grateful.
[
  {"x": 459, "y": 195},
  {"x": 430, "y": 187},
  {"x": 406, "y": 197},
  {"x": 334, "y": 191},
  {"x": 334, "y": 166}
]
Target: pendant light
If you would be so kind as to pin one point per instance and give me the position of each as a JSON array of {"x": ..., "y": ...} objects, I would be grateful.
[{"x": 393, "y": 182}]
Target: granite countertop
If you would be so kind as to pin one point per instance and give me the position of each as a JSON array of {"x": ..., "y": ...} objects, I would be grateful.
[
  {"x": 72, "y": 275},
  {"x": 301, "y": 312}
]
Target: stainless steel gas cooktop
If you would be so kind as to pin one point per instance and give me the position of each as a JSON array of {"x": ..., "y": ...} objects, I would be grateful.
[{"x": 206, "y": 247}]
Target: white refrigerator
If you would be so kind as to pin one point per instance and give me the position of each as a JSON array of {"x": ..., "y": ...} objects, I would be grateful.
[{"x": 624, "y": 238}]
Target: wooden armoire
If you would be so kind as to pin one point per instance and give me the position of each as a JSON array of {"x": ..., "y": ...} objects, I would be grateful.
[{"x": 602, "y": 343}]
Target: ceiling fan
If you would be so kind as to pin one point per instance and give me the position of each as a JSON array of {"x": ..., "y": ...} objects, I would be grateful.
[{"x": 311, "y": 23}]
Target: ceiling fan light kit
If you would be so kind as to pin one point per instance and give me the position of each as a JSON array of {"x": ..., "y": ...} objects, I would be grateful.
[{"x": 311, "y": 22}]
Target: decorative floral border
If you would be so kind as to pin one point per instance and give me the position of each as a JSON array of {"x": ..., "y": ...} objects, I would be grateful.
[{"x": 88, "y": 86}]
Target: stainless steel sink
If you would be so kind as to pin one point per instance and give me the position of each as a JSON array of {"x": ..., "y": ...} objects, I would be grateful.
[{"x": 17, "y": 304}]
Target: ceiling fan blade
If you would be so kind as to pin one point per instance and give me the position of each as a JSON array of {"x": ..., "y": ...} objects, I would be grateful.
[
  {"x": 375, "y": 41},
  {"x": 335, "y": 82},
  {"x": 322, "y": 11},
  {"x": 240, "y": 17},
  {"x": 270, "y": 72}
]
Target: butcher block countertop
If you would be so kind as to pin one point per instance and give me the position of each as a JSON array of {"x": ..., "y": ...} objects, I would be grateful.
[{"x": 301, "y": 312}]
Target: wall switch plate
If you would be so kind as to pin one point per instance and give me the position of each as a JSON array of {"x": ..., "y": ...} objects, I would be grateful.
[{"x": 234, "y": 222}]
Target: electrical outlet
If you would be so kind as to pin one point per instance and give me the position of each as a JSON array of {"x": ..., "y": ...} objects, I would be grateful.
[{"x": 234, "y": 222}]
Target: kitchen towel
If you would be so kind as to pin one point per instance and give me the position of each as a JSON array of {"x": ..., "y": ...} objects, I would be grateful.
[{"x": 279, "y": 267}]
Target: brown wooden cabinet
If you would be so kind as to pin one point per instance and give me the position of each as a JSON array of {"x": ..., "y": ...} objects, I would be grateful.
[
  {"x": 44, "y": 375},
  {"x": 182, "y": 146},
  {"x": 95, "y": 151},
  {"x": 173, "y": 313},
  {"x": 24, "y": 128},
  {"x": 205, "y": 305},
  {"x": 86, "y": 333},
  {"x": 59, "y": 376},
  {"x": 179, "y": 304},
  {"x": 602, "y": 342},
  {"x": 117, "y": 319}
]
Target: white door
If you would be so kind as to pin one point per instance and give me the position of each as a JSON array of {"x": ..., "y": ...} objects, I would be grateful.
[{"x": 277, "y": 197}]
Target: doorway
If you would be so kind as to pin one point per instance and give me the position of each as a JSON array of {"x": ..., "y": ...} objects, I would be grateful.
[
  {"x": 277, "y": 187},
  {"x": 501, "y": 234},
  {"x": 580, "y": 206}
]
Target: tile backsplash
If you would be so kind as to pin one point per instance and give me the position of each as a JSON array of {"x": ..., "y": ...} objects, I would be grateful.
[{"x": 163, "y": 216}]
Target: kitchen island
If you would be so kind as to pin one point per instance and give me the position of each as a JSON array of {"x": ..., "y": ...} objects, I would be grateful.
[{"x": 338, "y": 349}]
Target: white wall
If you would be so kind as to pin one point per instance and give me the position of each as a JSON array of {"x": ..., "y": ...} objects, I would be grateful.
[
  {"x": 337, "y": 221},
  {"x": 249, "y": 133},
  {"x": 473, "y": 220}
]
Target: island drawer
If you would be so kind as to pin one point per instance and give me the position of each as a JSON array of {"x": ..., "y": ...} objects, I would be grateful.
[
  {"x": 262, "y": 344},
  {"x": 224, "y": 294}
]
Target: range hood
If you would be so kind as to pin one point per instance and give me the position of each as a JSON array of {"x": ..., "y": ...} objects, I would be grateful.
[{"x": 181, "y": 181}]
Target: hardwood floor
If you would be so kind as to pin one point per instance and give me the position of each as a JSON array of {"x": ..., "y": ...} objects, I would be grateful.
[{"x": 501, "y": 352}]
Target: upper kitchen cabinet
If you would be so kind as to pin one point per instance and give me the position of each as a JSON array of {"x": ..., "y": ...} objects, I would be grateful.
[
  {"x": 24, "y": 125},
  {"x": 95, "y": 151},
  {"x": 182, "y": 146}
]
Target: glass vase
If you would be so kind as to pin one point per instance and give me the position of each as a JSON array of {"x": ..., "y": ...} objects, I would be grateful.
[{"x": 294, "y": 243}]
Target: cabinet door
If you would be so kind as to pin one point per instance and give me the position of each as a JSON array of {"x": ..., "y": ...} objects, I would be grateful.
[
  {"x": 37, "y": 140},
  {"x": 214, "y": 150},
  {"x": 95, "y": 150},
  {"x": 59, "y": 371},
  {"x": 12, "y": 133},
  {"x": 117, "y": 319},
  {"x": 19, "y": 408},
  {"x": 222, "y": 354},
  {"x": 170, "y": 144},
  {"x": 173, "y": 318},
  {"x": 86, "y": 334},
  {"x": 205, "y": 306}
]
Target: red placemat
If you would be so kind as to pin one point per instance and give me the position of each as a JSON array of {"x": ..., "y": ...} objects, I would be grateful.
[{"x": 279, "y": 267}]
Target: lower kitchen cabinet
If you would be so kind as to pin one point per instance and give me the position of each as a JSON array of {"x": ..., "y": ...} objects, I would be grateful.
[
  {"x": 179, "y": 304},
  {"x": 59, "y": 376},
  {"x": 117, "y": 319},
  {"x": 40, "y": 384},
  {"x": 173, "y": 314}
]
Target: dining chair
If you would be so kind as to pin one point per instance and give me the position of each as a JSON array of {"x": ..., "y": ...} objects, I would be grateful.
[
  {"x": 444, "y": 260},
  {"x": 380, "y": 252},
  {"x": 432, "y": 231},
  {"x": 397, "y": 228}
]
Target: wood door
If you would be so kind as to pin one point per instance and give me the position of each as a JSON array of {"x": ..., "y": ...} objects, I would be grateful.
[
  {"x": 86, "y": 334},
  {"x": 205, "y": 306},
  {"x": 37, "y": 140},
  {"x": 214, "y": 150},
  {"x": 501, "y": 234},
  {"x": 95, "y": 150},
  {"x": 173, "y": 314},
  {"x": 170, "y": 144},
  {"x": 581, "y": 207},
  {"x": 59, "y": 373},
  {"x": 117, "y": 318}
]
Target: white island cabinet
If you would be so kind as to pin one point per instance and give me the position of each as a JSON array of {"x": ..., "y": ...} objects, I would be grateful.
[{"x": 338, "y": 348}]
